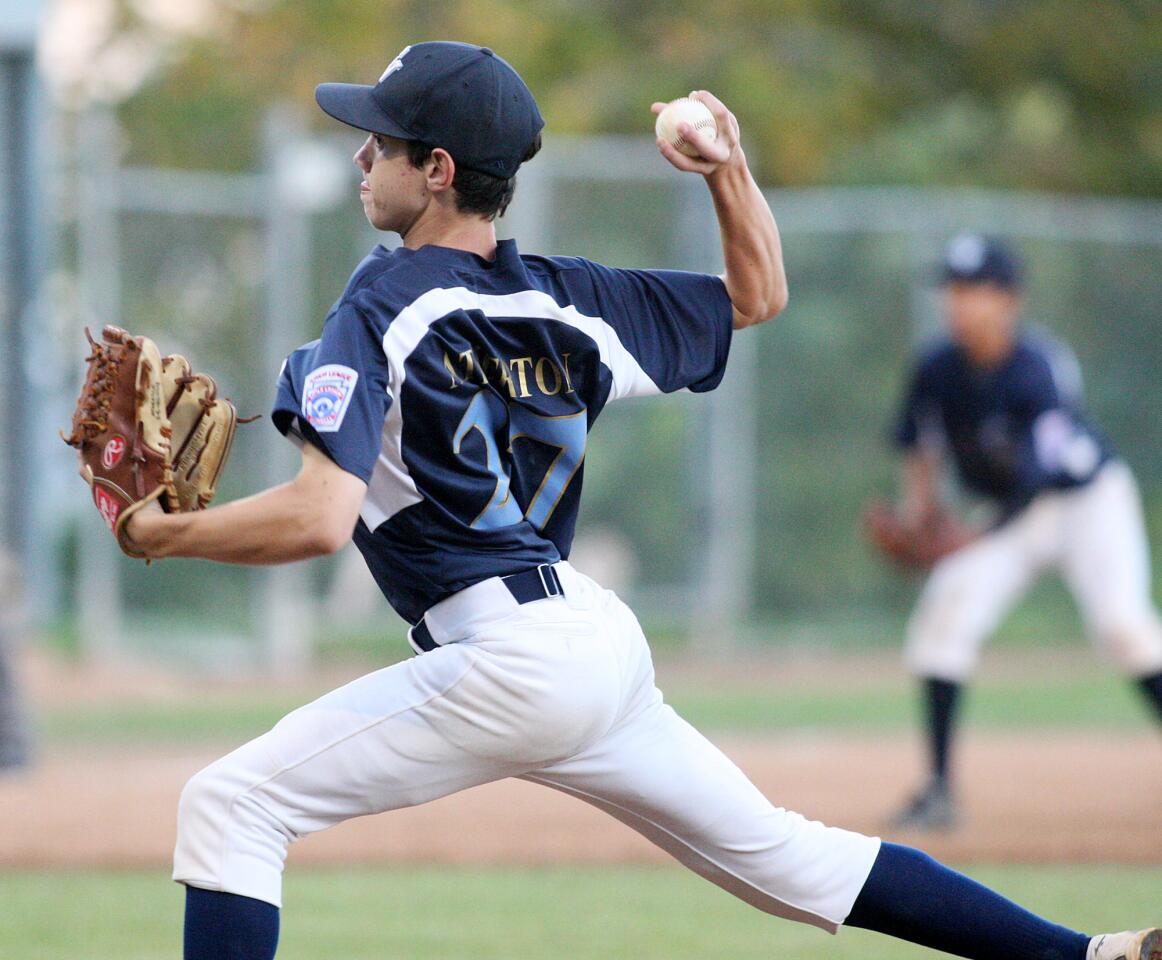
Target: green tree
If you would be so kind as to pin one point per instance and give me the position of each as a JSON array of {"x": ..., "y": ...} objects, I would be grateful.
[{"x": 1047, "y": 94}]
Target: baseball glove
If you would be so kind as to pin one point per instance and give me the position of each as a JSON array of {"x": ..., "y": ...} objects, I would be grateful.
[
  {"x": 202, "y": 431},
  {"x": 918, "y": 545},
  {"x": 147, "y": 429}
]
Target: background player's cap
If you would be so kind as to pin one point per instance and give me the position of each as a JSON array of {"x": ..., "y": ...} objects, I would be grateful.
[
  {"x": 972, "y": 258},
  {"x": 458, "y": 96}
]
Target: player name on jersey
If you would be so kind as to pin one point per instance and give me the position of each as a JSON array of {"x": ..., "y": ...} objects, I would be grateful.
[{"x": 518, "y": 375}]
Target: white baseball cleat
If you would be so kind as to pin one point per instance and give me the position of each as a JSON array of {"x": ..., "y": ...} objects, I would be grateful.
[{"x": 1129, "y": 945}]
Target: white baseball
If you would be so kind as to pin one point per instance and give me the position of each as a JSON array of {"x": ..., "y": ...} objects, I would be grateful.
[{"x": 693, "y": 112}]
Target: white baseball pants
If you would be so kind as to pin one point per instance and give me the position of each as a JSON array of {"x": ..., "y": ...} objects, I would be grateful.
[
  {"x": 560, "y": 692},
  {"x": 1094, "y": 535}
]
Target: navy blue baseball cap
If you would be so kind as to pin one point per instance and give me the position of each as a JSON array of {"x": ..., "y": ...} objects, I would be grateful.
[
  {"x": 973, "y": 258},
  {"x": 458, "y": 96}
]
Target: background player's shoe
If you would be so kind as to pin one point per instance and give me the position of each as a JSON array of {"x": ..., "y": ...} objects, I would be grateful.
[
  {"x": 931, "y": 809},
  {"x": 1130, "y": 945}
]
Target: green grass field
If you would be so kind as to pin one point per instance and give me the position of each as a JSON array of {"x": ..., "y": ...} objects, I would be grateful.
[{"x": 657, "y": 913}]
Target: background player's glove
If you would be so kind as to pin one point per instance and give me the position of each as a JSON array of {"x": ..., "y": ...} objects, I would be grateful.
[
  {"x": 147, "y": 429},
  {"x": 914, "y": 545}
]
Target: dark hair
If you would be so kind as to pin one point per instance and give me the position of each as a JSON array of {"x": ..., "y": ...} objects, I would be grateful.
[{"x": 476, "y": 192}]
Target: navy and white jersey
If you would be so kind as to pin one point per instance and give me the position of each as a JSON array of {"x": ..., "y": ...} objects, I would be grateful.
[
  {"x": 1012, "y": 430},
  {"x": 462, "y": 391}
]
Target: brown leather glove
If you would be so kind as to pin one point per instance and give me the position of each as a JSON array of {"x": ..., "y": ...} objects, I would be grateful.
[
  {"x": 915, "y": 546},
  {"x": 148, "y": 428}
]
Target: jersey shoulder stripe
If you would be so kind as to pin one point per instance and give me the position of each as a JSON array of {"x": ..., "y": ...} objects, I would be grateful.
[
  {"x": 391, "y": 488},
  {"x": 412, "y": 323}
]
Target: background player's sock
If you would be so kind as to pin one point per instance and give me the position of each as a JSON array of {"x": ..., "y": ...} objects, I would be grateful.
[
  {"x": 1151, "y": 686},
  {"x": 940, "y": 699},
  {"x": 225, "y": 926},
  {"x": 910, "y": 896}
]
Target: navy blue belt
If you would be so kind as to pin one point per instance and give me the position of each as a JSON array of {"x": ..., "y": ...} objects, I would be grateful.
[{"x": 539, "y": 583}]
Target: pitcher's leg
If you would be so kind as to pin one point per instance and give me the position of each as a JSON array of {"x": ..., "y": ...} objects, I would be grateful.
[
  {"x": 661, "y": 777},
  {"x": 225, "y": 926},
  {"x": 528, "y": 688},
  {"x": 910, "y": 896},
  {"x": 394, "y": 738},
  {"x": 371, "y": 746}
]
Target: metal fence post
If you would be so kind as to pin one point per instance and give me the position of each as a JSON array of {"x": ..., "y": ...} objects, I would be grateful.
[
  {"x": 726, "y": 575},
  {"x": 285, "y": 614},
  {"x": 22, "y": 260},
  {"x": 99, "y": 596}
]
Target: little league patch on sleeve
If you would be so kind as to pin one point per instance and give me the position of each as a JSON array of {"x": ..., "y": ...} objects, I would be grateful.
[{"x": 327, "y": 392}]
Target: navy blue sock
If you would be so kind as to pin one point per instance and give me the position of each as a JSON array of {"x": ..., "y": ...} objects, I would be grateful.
[
  {"x": 940, "y": 701},
  {"x": 1151, "y": 687},
  {"x": 910, "y": 896},
  {"x": 225, "y": 926}
]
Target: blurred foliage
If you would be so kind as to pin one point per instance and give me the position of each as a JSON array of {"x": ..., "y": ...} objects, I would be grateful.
[{"x": 1063, "y": 95}]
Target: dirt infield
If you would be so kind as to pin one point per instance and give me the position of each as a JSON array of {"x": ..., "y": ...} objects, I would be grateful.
[
  {"x": 1045, "y": 799},
  {"x": 1048, "y": 797}
]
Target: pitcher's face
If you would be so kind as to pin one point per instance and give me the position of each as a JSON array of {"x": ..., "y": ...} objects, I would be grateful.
[{"x": 393, "y": 191}]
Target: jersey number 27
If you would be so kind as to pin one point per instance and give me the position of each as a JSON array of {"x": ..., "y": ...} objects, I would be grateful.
[{"x": 565, "y": 433}]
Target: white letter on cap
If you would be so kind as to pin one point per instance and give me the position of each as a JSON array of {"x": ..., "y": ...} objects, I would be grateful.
[{"x": 396, "y": 64}]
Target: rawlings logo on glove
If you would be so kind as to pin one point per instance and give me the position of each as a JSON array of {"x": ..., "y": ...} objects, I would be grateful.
[{"x": 147, "y": 429}]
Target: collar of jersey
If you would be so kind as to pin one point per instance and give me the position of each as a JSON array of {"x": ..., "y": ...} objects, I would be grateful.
[{"x": 504, "y": 250}]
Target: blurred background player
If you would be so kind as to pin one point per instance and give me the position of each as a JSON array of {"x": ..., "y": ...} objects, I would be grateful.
[{"x": 1003, "y": 402}]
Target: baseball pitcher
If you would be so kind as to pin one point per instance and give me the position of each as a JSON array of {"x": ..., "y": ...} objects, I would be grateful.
[{"x": 442, "y": 417}]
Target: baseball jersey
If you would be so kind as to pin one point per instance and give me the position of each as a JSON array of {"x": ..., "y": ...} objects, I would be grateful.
[
  {"x": 462, "y": 391},
  {"x": 1014, "y": 429}
]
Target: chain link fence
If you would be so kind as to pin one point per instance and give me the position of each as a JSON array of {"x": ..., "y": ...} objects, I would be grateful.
[{"x": 731, "y": 518}]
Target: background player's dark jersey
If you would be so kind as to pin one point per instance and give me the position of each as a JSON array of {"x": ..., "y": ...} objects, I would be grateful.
[
  {"x": 462, "y": 390},
  {"x": 1013, "y": 430}
]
